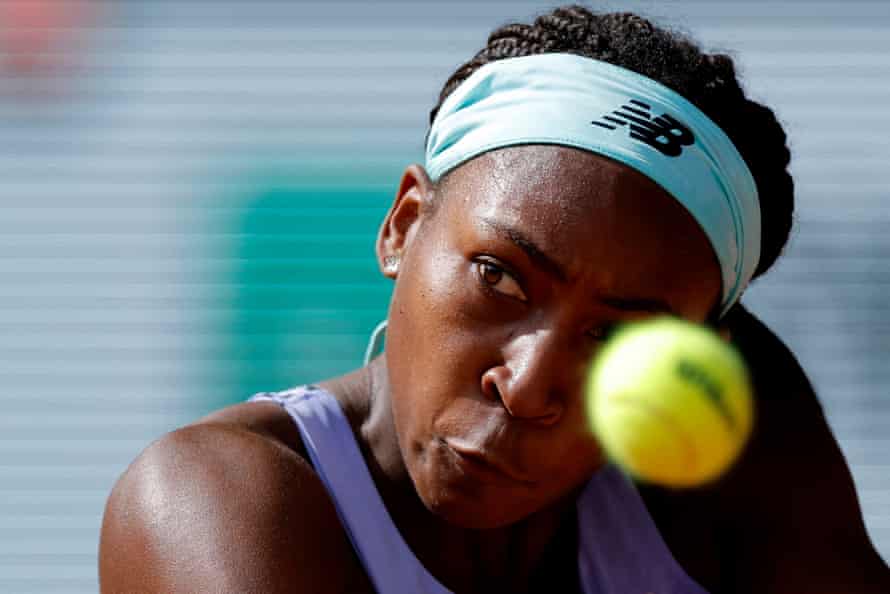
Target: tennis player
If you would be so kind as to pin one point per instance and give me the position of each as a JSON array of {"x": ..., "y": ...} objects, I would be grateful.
[{"x": 580, "y": 171}]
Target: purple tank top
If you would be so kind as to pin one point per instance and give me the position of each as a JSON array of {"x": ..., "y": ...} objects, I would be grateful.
[{"x": 619, "y": 548}]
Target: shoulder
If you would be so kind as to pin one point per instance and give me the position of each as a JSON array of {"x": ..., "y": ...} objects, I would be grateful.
[
  {"x": 789, "y": 417},
  {"x": 225, "y": 505},
  {"x": 791, "y": 498},
  {"x": 770, "y": 360}
]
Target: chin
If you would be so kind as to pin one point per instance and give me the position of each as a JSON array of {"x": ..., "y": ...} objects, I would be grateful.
[
  {"x": 476, "y": 512},
  {"x": 473, "y": 501},
  {"x": 472, "y": 494}
]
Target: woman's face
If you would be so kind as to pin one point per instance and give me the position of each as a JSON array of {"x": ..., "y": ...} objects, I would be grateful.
[{"x": 504, "y": 293}]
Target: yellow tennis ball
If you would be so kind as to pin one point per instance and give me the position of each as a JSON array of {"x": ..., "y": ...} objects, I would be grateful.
[{"x": 670, "y": 402}]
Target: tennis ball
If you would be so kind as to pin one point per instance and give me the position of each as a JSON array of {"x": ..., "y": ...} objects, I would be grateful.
[{"x": 670, "y": 402}]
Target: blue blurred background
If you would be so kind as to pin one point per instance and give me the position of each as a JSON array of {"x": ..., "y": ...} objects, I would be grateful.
[{"x": 190, "y": 192}]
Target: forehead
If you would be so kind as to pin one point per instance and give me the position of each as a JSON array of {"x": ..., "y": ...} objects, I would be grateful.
[{"x": 595, "y": 216}]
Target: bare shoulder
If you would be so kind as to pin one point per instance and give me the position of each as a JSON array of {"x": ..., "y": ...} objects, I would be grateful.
[
  {"x": 225, "y": 505},
  {"x": 793, "y": 504},
  {"x": 786, "y": 518}
]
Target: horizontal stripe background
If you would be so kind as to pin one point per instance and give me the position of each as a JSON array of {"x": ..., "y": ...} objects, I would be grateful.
[{"x": 188, "y": 213}]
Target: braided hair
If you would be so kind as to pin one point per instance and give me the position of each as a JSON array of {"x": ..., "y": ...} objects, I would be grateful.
[{"x": 706, "y": 80}]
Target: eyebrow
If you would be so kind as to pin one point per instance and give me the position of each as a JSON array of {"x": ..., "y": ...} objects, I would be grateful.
[
  {"x": 542, "y": 260},
  {"x": 534, "y": 253}
]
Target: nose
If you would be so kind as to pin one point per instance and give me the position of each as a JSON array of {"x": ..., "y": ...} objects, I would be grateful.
[{"x": 535, "y": 379}]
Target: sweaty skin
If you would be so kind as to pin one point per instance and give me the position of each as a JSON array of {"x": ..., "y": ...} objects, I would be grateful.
[
  {"x": 502, "y": 297},
  {"x": 509, "y": 275}
]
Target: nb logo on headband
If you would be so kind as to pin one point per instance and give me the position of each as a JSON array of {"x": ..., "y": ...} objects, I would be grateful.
[{"x": 663, "y": 132}]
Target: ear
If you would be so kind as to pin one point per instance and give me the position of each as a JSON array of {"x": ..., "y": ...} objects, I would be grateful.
[{"x": 413, "y": 201}]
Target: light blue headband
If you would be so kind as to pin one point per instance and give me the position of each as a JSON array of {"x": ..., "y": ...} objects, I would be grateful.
[{"x": 579, "y": 102}]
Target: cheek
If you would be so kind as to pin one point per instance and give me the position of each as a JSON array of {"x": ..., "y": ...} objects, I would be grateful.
[
  {"x": 442, "y": 328},
  {"x": 429, "y": 364},
  {"x": 569, "y": 454}
]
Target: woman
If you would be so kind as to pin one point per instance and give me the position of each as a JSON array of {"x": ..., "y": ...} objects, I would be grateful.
[{"x": 581, "y": 171}]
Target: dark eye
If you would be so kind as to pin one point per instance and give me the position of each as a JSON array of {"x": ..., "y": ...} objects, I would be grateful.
[{"x": 495, "y": 278}]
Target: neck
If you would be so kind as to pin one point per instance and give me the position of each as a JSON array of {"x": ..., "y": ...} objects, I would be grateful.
[{"x": 464, "y": 560}]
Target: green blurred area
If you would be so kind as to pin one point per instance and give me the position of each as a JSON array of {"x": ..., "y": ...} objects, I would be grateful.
[{"x": 306, "y": 288}]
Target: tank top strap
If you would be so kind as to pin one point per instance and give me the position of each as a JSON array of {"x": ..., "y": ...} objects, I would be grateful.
[
  {"x": 620, "y": 550},
  {"x": 335, "y": 455}
]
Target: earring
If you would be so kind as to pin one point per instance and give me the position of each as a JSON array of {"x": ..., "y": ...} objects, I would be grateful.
[{"x": 390, "y": 264}]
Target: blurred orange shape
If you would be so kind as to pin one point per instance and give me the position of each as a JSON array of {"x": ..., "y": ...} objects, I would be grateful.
[{"x": 34, "y": 34}]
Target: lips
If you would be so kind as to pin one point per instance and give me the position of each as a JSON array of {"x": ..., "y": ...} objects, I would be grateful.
[{"x": 483, "y": 465}]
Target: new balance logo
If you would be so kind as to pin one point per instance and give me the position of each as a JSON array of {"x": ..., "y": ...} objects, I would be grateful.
[{"x": 663, "y": 132}]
